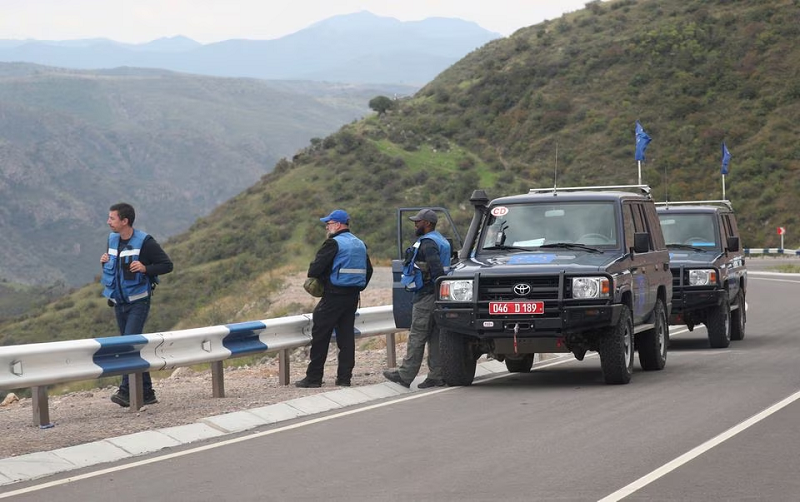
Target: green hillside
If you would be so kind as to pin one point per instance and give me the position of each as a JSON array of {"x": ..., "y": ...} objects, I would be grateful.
[{"x": 563, "y": 95}]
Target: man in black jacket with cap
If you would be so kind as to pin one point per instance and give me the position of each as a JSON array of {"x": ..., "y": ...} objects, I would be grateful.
[{"x": 343, "y": 265}]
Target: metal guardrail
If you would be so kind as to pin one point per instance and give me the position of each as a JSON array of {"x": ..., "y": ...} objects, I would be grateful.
[
  {"x": 37, "y": 365},
  {"x": 752, "y": 251}
]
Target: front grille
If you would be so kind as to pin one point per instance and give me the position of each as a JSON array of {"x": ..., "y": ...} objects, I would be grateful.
[{"x": 502, "y": 288}]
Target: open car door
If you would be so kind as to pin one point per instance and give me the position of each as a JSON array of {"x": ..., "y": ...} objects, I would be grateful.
[{"x": 401, "y": 298}]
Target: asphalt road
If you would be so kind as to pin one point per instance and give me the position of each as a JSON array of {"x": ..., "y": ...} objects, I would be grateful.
[{"x": 714, "y": 425}]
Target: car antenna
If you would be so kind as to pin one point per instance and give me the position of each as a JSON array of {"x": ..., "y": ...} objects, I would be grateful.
[
  {"x": 666, "y": 186},
  {"x": 555, "y": 172}
]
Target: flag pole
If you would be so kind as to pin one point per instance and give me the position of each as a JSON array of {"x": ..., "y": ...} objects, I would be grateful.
[
  {"x": 723, "y": 187},
  {"x": 640, "y": 171}
]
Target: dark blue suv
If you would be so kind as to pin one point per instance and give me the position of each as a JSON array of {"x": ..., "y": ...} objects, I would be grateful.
[
  {"x": 558, "y": 270},
  {"x": 709, "y": 276}
]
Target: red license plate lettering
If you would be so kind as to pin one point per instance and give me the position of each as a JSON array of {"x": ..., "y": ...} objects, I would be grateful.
[{"x": 516, "y": 308}]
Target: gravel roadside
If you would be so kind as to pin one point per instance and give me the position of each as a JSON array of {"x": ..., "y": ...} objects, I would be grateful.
[{"x": 185, "y": 395}]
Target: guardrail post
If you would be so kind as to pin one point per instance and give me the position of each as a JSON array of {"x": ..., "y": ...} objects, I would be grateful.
[
  {"x": 283, "y": 367},
  {"x": 391, "y": 351},
  {"x": 41, "y": 407},
  {"x": 217, "y": 379},
  {"x": 136, "y": 391}
]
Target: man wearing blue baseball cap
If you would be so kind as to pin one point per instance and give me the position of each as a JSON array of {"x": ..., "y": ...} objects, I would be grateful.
[{"x": 343, "y": 266}]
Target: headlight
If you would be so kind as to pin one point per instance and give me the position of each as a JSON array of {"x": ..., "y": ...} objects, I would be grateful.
[
  {"x": 590, "y": 287},
  {"x": 705, "y": 277},
  {"x": 456, "y": 291}
]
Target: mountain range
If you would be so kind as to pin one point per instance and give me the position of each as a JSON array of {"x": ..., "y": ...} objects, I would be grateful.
[
  {"x": 354, "y": 48},
  {"x": 174, "y": 145}
]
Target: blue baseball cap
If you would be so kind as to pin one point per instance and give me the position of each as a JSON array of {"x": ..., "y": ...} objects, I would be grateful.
[{"x": 338, "y": 215}]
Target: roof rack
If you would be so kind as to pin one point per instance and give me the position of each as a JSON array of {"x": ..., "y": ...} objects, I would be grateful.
[
  {"x": 721, "y": 202},
  {"x": 644, "y": 189}
]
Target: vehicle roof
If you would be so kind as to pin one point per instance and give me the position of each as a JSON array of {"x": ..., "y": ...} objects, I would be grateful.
[
  {"x": 692, "y": 208},
  {"x": 567, "y": 196}
]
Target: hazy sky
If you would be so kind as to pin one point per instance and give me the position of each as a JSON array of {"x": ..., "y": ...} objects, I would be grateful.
[{"x": 213, "y": 20}]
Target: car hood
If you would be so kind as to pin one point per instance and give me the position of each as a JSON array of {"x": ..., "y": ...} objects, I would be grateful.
[
  {"x": 533, "y": 262},
  {"x": 688, "y": 258}
]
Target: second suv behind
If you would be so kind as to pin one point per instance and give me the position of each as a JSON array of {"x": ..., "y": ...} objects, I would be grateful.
[{"x": 709, "y": 277}]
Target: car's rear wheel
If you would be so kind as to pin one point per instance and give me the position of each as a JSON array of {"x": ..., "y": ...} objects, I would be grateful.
[
  {"x": 458, "y": 360},
  {"x": 520, "y": 365},
  {"x": 738, "y": 317},
  {"x": 652, "y": 344},
  {"x": 616, "y": 350},
  {"x": 718, "y": 324}
]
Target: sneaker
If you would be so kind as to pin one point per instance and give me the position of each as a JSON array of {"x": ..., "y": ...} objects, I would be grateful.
[
  {"x": 307, "y": 384},
  {"x": 341, "y": 382},
  {"x": 150, "y": 398},
  {"x": 121, "y": 399},
  {"x": 430, "y": 383},
  {"x": 394, "y": 376}
]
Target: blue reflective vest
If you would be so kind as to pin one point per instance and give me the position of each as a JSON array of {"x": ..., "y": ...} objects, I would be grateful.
[
  {"x": 350, "y": 263},
  {"x": 412, "y": 278},
  {"x": 120, "y": 284}
]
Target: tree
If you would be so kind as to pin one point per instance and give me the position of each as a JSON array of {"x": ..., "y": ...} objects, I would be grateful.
[{"x": 381, "y": 104}]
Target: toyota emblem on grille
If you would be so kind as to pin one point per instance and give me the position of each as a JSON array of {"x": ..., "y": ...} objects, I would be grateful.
[{"x": 522, "y": 289}]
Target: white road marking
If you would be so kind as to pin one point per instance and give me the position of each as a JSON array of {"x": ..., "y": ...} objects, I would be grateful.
[
  {"x": 776, "y": 280},
  {"x": 699, "y": 450}
]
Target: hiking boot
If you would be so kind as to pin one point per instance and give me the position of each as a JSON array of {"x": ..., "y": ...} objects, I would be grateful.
[
  {"x": 341, "y": 382},
  {"x": 308, "y": 384},
  {"x": 430, "y": 383},
  {"x": 394, "y": 376},
  {"x": 121, "y": 398},
  {"x": 150, "y": 398}
]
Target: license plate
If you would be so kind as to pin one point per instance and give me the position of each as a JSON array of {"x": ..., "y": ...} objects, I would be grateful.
[{"x": 511, "y": 308}]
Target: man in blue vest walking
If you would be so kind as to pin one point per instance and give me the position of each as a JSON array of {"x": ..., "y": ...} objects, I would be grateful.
[
  {"x": 131, "y": 267},
  {"x": 343, "y": 266},
  {"x": 426, "y": 260}
]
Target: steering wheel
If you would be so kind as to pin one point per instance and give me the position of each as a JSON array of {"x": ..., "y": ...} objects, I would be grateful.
[
  {"x": 600, "y": 238},
  {"x": 691, "y": 240}
]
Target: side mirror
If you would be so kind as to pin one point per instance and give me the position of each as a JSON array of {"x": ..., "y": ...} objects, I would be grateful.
[
  {"x": 733, "y": 243},
  {"x": 641, "y": 242}
]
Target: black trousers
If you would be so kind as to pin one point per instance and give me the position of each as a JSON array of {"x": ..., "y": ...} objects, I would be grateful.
[{"x": 334, "y": 311}]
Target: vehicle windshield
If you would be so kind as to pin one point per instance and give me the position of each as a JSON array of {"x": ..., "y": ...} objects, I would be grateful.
[
  {"x": 540, "y": 225},
  {"x": 695, "y": 230}
]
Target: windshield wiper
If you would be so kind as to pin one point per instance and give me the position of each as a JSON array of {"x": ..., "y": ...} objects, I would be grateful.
[
  {"x": 684, "y": 246},
  {"x": 568, "y": 245},
  {"x": 503, "y": 247}
]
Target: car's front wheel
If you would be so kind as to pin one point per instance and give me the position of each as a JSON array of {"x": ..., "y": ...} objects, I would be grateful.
[
  {"x": 616, "y": 350},
  {"x": 458, "y": 360},
  {"x": 718, "y": 324}
]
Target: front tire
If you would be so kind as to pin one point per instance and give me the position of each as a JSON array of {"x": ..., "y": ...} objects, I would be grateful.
[
  {"x": 718, "y": 324},
  {"x": 738, "y": 317},
  {"x": 458, "y": 361},
  {"x": 652, "y": 344},
  {"x": 616, "y": 350},
  {"x": 522, "y": 365}
]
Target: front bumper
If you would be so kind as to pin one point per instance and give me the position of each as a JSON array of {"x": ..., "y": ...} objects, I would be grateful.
[
  {"x": 686, "y": 300},
  {"x": 556, "y": 323}
]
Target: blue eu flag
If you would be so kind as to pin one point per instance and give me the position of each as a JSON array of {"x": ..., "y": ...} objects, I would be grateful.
[
  {"x": 642, "y": 140},
  {"x": 726, "y": 158}
]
